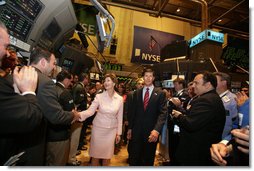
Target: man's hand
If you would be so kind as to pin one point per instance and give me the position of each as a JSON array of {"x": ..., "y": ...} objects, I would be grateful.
[
  {"x": 176, "y": 101},
  {"x": 129, "y": 134},
  {"x": 153, "y": 137},
  {"x": 76, "y": 116},
  {"x": 242, "y": 137},
  {"x": 26, "y": 79},
  {"x": 218, "y": 151},
  {"x": 241, "y": 97},
  {"x": 175, "y": 113}
]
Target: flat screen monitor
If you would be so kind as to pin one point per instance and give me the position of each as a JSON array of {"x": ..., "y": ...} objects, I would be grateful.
[
  {"x": 67, "y": 64},
  {"x": 167, "y": 84}
]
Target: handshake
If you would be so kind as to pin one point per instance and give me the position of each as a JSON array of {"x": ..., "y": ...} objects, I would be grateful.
[{"x": 76, "y": 116}]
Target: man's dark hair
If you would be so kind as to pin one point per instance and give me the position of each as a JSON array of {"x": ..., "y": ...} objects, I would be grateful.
[
  {"x": 148, "y": 70},
  {"x": 225, "y": 77},
  {"x": 180, "y": 81},
  {"x": 82, "y": 76},
  {"x": 62, "y": 75},
  {"x": 209, "y": 77},
  {"x": 38, "y": 53}
]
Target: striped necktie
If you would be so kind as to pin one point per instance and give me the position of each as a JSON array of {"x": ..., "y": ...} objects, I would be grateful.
[{"x": 146, "y": 98}]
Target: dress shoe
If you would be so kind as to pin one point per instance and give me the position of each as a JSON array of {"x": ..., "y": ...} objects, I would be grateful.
[
  {"x": 78, "y": 153},
  {"x": 76, "y": 163},
  {"x": 84, "y": 148}
]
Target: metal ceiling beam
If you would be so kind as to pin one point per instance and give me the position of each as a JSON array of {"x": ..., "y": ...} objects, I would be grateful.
[
  {"x": 162, "y": 7},
  {"x": 214, "y": 21},
  {"x": 240, "y": 33},
  {"x": 204, "y": 14}
]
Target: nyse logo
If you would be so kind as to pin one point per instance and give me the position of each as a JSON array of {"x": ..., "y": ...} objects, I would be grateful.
[{"x": 147, "y": 56}]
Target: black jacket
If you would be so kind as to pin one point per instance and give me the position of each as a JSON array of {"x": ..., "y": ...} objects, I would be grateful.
[
  {"x": 61, "y": 132},
  {"x": 20, "y": 119},
  {"x": 201, "y": 128}
]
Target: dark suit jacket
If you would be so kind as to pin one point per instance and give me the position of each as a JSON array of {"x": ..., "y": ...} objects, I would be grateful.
[
  {"x": 60, "y": 132},
  {"x": 143, "y": 122},
  {"x": 80, "y": 96},
  {"x": 53, "y": 114},
  {"x": 202, "y": 127},
  {"x": 47, "y": 96},
  {"x": 142, "y": 152},
  {"x": 20, "y": 116}
]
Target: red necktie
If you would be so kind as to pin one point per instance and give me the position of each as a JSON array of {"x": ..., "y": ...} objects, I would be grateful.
[{"x": 146, "y": 98}]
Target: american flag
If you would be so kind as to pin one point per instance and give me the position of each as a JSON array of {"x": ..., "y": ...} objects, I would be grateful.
[{"x": 152, "y": 43}]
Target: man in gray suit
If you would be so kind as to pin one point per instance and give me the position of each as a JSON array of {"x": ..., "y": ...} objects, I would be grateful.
[{"x": 45, "y": 62}]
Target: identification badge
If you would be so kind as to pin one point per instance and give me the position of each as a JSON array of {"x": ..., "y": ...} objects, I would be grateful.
[{"x": 225, "y": 99}]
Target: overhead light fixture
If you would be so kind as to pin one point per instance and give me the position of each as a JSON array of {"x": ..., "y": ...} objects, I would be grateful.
[
  {"x": 220, "y": 20},
  {"x": 178, "y": 10}
]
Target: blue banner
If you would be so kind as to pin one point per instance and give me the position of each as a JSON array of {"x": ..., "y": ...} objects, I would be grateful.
[{"x": 148, "y": 43}]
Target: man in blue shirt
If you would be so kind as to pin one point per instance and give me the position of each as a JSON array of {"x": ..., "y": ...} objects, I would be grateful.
[{"x": 229, "y": 102}]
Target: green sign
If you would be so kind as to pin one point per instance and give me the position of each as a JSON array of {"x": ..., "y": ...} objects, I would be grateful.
[
  {"x": 116, "y": 67},
  {"x": 86, "y": 17}
]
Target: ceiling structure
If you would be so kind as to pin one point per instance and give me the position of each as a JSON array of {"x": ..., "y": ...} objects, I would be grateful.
[{"x": 230, "y": 16}]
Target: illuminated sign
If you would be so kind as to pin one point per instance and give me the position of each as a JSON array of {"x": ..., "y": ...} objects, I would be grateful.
[
  {"x": 206, "y": 35},
  {"x": 215, "y": 36},
  {"x": 197, "y": 39}
]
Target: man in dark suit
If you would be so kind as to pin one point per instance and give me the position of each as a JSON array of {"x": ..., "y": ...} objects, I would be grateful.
[
  {"x": 203, "y": 126},
  {"x": 178, "y": 102},
  {"x": 148, "y": 116},
  {"x": 20, "y": 112},
  {"x": 58, "y": 144},
  {"x": 53, "y": 113}
]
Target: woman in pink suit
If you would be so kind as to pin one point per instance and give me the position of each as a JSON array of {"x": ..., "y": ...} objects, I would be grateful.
[{"x": 107, "y": 124}]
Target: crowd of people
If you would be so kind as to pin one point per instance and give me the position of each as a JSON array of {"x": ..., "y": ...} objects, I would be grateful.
[{"x": 45, "y": 122}]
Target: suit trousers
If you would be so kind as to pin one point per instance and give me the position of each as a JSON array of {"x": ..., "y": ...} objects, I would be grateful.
[
  {"x": 141, "y": 153},
  {"x": 57, "y": 153},
  {"x": 74, "y": 141}
]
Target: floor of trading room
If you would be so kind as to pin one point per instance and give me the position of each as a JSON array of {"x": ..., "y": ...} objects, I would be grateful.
[{"x": 120, "y": 159}]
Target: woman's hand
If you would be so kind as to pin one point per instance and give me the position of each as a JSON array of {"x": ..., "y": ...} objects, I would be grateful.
[{"x": 118, "y": 138}]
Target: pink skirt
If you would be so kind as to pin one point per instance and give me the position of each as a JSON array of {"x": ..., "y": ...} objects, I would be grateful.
[{"x": 102, "y": 142}]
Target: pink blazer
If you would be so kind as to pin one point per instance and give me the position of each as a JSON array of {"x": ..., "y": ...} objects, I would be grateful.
[{"x": 109, "y": 113}]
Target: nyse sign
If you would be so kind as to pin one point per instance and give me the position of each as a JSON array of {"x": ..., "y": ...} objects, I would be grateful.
[
  {"x": 215, "y": 36},
  {"x": 151, "y": 57},
  {"x": 198, "y": 39},
  {"x": 146, "y": 57},
  {"x": 206, "y": 35},
  {"x": 88, "y": 28}
]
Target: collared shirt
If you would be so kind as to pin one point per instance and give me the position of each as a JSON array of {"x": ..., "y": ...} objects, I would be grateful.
[
  {"x": 230, "y": 105},
  {"x": 179, "y": 93},
  {"x": 61, "y": 84},
  {"x": 82, "y": 84},
  {"x": 224, "y": 93},
  {"x": 28, "y": 92},
  {"x": 150, "y": 91}
]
